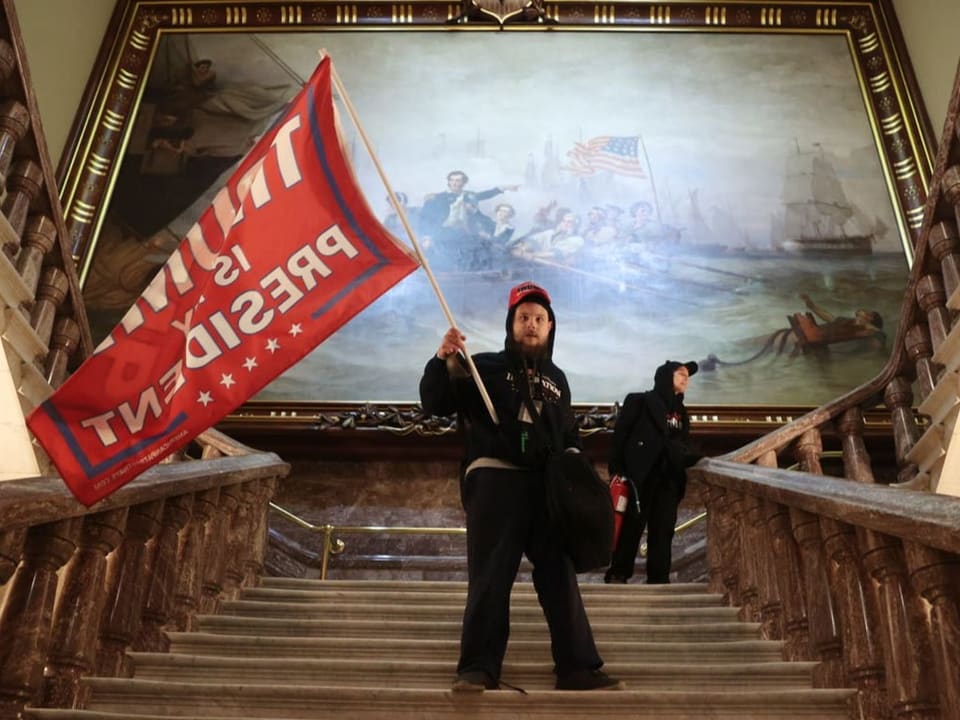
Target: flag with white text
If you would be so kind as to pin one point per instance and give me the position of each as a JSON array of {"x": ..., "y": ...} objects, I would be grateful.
[
  {"x": 614, "y": 154},
  {"x": 287, "y": 253}
]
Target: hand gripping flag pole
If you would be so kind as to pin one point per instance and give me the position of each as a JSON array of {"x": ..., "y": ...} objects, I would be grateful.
[{"x": 402, "y": 215}]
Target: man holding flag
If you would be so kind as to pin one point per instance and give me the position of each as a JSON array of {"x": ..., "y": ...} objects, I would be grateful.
[{"x": 287, "y": 253}]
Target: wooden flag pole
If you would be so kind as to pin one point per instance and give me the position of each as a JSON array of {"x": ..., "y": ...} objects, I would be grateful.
[{"x": 402, "y": 215}]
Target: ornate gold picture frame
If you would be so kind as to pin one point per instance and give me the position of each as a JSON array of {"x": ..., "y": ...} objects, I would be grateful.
[{"x": 767, "y": 161}]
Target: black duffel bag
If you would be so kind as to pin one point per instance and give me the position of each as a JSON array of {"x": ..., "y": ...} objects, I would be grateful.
[
  {"x": 577, "y": 500},
  {"x": 579, "y": 508}
]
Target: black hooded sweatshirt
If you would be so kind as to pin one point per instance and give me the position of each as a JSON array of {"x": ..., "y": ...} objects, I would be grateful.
[
  {"x": 447, "y": 388},
  {"x": 650, "y": 436}
]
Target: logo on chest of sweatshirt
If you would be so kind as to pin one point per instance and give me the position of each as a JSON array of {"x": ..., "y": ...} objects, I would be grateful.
[
  {"x": 549, "y": 390},
  {"x": 674, "y": 421}
]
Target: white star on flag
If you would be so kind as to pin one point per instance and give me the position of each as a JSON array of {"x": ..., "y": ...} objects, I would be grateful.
[
  {"x": 295, "y": 329},
  {"x": 226, "y": 379},
  {"x": 273, "y": 345},
  {"x": 250, "y": 363},
  {"x": 205, "y": 398}
]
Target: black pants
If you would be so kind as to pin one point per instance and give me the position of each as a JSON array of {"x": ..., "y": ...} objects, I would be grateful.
[
  {"x": 506, "y": 517},
  {"x": 659, "y": 498}
]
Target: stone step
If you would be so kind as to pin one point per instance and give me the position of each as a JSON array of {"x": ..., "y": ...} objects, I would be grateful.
[
  {"x": 635, "y": 589},
  {"x": 612, "y": 595},
  {"x": 625, "y": 612},
  {"x": 226, "y": 700},
  {"x": 674, "y": 627},
  {"x": 438, "y": 673},
  {"x": 447, "y": 650}
]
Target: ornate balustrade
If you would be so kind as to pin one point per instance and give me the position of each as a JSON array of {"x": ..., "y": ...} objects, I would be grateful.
[
  {"x": 923, "y": 368},
  {"x": 83, "y": 585},
  {"x": 42, "y": 320},
  {"x": 861, "y": 577}
]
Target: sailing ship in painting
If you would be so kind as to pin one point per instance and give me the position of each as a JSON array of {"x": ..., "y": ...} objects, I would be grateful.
[{"x": 817, "y": 214}]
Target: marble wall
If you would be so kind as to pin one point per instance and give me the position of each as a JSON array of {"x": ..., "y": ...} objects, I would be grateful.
[{"x": 407, "y": 494}]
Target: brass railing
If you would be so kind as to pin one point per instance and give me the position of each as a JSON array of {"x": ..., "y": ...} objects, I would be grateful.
[
  {"x": 333, "y": 545},
  {"x": 682, "y": 527}
]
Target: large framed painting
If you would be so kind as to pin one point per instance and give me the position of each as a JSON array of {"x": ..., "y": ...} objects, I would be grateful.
[{"x": 736, "y": 183}]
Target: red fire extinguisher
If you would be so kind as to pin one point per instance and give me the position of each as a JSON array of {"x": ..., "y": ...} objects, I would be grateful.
[{"x": 620, "y": 496}]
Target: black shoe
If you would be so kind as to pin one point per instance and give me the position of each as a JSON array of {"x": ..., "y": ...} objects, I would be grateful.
[
  {"x": 474, "y": 681},
  {"x": 586, "y": 679},
  {"x": 614, "y": 580}
]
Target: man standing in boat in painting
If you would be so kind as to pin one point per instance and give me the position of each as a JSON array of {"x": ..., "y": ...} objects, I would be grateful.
[
  {"x": 809, "y": 336},
  {"x": 446, "y": 210},
  {"x": 445, "y": 215}
]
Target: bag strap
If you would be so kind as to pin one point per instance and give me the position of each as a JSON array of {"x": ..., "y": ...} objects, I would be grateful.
[{"x": 532, "y": 409}]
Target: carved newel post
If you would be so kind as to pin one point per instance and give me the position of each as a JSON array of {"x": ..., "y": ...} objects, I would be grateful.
[
  {"x": 808, "y": 450},
  {"x": 63, "y": 341},
  {"x": 73, "y": 646},
  {"x": 11, "y": 548},
  {"x": 920, "y": 353},
  {"x": 23, "y": 184},
  {"x": 935, "y": 575},
  {"x": 216, "y": 542},
  {"x": 789, "y": 579},
  {"x": 27, "y": 610},
  {"x": 159, "y": 604},
  {"x": 911, "y": 687},
  {"x": 764, "y": 567},
  {"x": 191, "y": 557},
  {"x": 821, "y": 614},
  {"x": 950, "y": 184},
  {"x": 856, "y": 459},
  {"x": 945, "y": 246},
  {"x": 898, "y": 398},
  {"x": 14, "y": 123},
  {"x": 8, "y": 60},
  {"x": 259, "y": 532},
  {"x": 932, "y": 300},
  {"x": 853, "y": 598},
  {"x": 39, "y": 237},
  {"x": 127, "y": 582},
  {"x": 52, "y": 291}
]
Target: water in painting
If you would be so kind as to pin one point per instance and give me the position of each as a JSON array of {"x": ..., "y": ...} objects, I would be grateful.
[{"x": 676, "y": 201}]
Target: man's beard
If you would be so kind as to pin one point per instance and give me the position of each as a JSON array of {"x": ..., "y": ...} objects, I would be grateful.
[{"x": 531, "y": 352}]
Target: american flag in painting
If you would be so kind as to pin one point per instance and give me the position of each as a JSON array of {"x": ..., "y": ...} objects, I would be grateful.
[{"x": 616, "y": 154}]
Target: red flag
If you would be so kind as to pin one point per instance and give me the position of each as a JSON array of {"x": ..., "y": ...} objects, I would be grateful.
[{"x": 287, "y": 253}]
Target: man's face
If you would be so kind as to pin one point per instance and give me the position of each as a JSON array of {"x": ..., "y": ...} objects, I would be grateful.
[
  {"x": 456, "y": 182},
  {"x": 567, "y": 223},
  {"x": 681, "y": 378},
  {"x": 531, "y": 326}
]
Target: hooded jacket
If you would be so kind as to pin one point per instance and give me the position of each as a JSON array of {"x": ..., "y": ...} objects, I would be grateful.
[
  {"x": 651, "y": 432},
  {"x": 447, "y": 388}
]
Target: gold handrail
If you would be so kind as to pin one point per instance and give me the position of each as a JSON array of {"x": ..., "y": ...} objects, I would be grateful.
[
  {"x": 335, "y": 546},
  {"x": 824, "y": 454},
  {"x": 682, "y": 527}
]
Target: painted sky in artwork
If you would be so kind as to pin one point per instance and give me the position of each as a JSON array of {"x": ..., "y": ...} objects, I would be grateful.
[{"x": 725, "y": 121}]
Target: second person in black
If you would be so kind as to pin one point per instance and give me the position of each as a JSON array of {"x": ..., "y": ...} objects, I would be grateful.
[{"x": 651, "y": 452}]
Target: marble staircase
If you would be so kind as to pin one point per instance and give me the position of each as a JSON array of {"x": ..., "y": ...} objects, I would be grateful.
[{"x": 373, "y": 650}]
